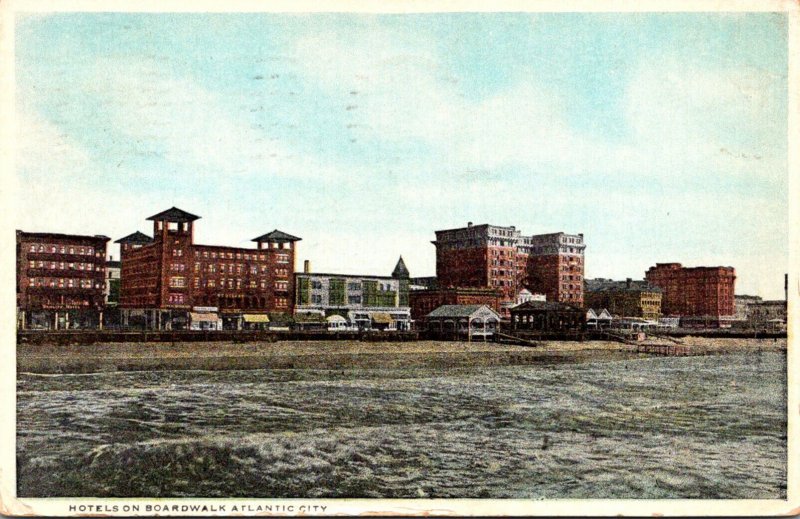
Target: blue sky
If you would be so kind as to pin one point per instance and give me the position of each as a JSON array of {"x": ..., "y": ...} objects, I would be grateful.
[{"x": 661, "y": 137}]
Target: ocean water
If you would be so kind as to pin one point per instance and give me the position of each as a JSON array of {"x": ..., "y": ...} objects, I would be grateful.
[{"x": 658, "y": 427}]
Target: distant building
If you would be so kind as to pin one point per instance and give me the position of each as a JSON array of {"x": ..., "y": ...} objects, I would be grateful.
[
  {"x": 490, "y": 256},
  {"x": 627, "y": 298},
  {"x": 742, "y": 306},
  {"x": 526, "y": 295},
  {"x": 598, "y": 319},
  {"x": 423, "y": 302},
  {"x": 60, "y": 280},
  {"x": 113, "y": 271},
  {"x": 547, "y": 316},
  {"x": 423, "y": 283},
  {"x": 470, "y": 321},
  {"x": 706, "y": 293},
  {"x": 367, "y": 302},
  {"x": 768, "y": 314},
  {"x": 170, "y": 282}
]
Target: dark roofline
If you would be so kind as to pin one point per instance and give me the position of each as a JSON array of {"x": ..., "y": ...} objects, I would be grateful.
[
  {"x": 276, "y": 236},
  {"x": 327, "y": 274},
  {"x": 173, "y": 214},
  {"x": 55, "y": 235},
  {"x": 135, "y": 237},
  {"x": 228, "y": 247}
]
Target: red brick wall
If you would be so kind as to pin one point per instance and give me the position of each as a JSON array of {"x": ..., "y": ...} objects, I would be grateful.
[
  {"x": 558, "y": 276},
  {"x": 423, "y": 302},
  {"x": 694, "y": 292},
  {"x": 34, "y": 290},
  {"x": 462, "y": 267}
]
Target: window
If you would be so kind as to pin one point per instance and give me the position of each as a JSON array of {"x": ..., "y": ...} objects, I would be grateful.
[
  {"x": 33, "y": 248},
  {"x": 177, "y": 282},
  {"x": 253, "y": 269},
  {"x": 354, "y": 300},
  {"x": 32, "y": 264},
  {"x": 354, "y": 286},
  {"x": 316, "y": 284},
  {"x": 211, "y": 283},
  {"x": 282, "y": 258},
  {"x": 316, "y": 299},
  {"x": 177, "y": 252}
]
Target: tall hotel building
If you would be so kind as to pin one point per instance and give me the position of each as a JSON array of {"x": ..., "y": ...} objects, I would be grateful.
[
  {"x": 60, "y": 280},
  {"x": 170, "y": 282},
  {"x": 490, "y": 256},
  {"x": 701, "y": 292}
]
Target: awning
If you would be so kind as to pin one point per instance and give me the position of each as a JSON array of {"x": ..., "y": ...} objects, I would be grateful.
[
  {"x": 207, "y": 317},
  {"x": 336, "y": 319},
  {"x": 256, "y": 318},
  {"x": 382, "y": 318}
]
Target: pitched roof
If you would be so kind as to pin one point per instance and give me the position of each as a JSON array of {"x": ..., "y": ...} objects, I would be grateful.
[
  {"x": 457, "y": 310},
  {"x": 173, "y": 214},
  {"x": 545, "y": 305},
  {"x": 400, "y": 270},
  {"x": 59, "y": 236},
  {"x": 276, "y": 236},
  {"x": 609, "y": 285},
  {"x": 137, "y": 238}
]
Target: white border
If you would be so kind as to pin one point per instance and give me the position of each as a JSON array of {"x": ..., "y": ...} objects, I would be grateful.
[{"x": 9, "y": 505}]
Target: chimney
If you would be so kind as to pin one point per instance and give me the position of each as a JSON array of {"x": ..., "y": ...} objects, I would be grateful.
[
  {"x": 111, "y": 258},
  {"x": 469, "y": 224},
  {"x": 786, "y": 288},
  {"x": 628, "y": 282},
  {"x": 306, "y": 267}
]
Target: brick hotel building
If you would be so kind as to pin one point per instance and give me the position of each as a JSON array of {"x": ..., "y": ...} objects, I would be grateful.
[
  {"x": 169, "y": 282},
  {"x": 60, "y": 280},
  {"x": 501, "y": 258},
  {"x": 703, "y": 293}
]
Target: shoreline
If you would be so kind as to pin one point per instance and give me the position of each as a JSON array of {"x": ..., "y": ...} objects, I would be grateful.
[{"x": 321, "y": 355}]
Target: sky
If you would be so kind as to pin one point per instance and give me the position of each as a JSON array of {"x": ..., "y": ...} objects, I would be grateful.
[{"x": 660, "y": 137}]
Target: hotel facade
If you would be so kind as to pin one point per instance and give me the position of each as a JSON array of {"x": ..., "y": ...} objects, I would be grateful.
[
  {"x": 61, "y": 280},
  {"x": 501, "y": 258},
  {"x": 170, "y": 282}
]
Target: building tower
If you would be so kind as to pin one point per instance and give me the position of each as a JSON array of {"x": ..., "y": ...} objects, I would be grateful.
[{"x": 281, "y": 256}]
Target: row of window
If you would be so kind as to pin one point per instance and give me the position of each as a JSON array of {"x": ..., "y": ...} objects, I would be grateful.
[
  {"x": 62, "y": 265},
  {"x": 351, "y": 299},
  {"x": 61, "y": 249},
  {"x": 64, "y": 283},
  {"x": 230, "y": 283},
  {"x": 279, "y": 258}
]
